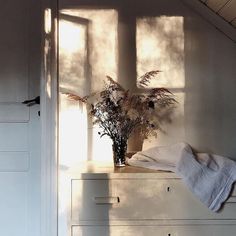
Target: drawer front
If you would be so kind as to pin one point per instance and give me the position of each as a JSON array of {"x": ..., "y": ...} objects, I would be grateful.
[
  {"x": 199, "y": 230},
  {"x": 131, "y": 199}
]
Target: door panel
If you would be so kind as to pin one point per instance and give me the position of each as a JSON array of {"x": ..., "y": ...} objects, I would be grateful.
[
  {"x": 13, "y": 112},
  {"x": 14, "y": 161},
  {"x": 13, "y": 203},
  {"x": 14, "y": 137},
  {"x": 19, "y": 125}
]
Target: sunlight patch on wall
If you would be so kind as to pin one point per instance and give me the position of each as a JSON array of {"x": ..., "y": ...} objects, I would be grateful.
[
  {"x": 73, "y": 57},
  {"x": 102, "y": 147},
  {"x": 102, "y": 43},
  {"x": 160, "y": 46},
  {"x": 73, "y": 132},
  {"x": 71, "y": 37},
  {"x": 88, "y": 51}
]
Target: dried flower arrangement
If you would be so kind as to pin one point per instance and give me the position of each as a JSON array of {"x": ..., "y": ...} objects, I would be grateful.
[{"x": 118, "y": 112}]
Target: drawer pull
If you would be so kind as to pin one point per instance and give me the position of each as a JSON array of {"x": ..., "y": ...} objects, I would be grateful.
[
  {"x": 168, "y": 190},
  {"x": 106, "y": 200}
]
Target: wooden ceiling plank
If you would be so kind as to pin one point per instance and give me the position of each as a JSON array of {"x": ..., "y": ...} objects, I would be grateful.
[
  {"x": 216, "y": 5},
  {"x": 229, "y": 11},
  {"x": 234, "y": 22},
  {"x": 210, "y": 16}
]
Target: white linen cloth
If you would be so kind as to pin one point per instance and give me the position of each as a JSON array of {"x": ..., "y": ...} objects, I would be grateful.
[{"x": 209, "y": 177}]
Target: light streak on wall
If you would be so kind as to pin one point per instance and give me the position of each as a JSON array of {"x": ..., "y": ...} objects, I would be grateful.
[{"x": 160, "y": 45}]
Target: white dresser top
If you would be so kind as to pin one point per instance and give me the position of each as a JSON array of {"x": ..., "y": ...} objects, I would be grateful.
[{"x": 104, "y": 170}]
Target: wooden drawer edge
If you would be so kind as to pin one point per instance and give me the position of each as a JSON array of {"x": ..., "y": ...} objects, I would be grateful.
[{"x": 155, "y": 222}]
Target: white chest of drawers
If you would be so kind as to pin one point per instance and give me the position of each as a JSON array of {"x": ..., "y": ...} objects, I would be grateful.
[{"x": 137, "y": 202}]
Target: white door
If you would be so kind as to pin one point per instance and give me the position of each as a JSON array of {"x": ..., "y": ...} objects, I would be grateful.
[{"x": 19, "y": 124}]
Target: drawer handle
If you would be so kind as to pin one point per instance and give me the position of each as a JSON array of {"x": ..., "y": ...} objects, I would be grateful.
[
  {"x": 106, "y": 200},
  {"x": 168, "y": 190}
]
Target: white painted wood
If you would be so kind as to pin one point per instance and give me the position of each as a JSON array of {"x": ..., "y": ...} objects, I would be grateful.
[
  {"x": 49, "y": 127},
  {"x": 157, "y": 222},
  {"x": 49, "y": 161},
  {"x": 19, "y": 125},
  {"x": 154, "y": 199},
  {"x": 14, "y": 204},
  {"x": 148, "y": 206},
  {"x": 229, "y": 11},
  {"x": 14, "y": 161},
  {"x": 13, "y": 136},
  {"x": 13, "y": 112},
  {"x": 14, "y": 51},
  {"x": 104, "y": 170},
  {"x": 34, "y": 171},
  {"x": 34, "y": 178},
  {"x": 199, "y": 230}
]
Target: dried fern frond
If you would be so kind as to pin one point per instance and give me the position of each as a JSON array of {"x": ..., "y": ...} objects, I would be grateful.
[
  {"x": 118, "y": 112},
  {"x": 75, "y": 97},
  {"x": 144, "y": 80},
  {"x": 161, "y": 91},
  {"x": 112, "y": 81}
]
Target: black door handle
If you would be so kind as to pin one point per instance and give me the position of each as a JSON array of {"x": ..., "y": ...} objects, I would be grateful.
[{"x": 32, "y": 102}]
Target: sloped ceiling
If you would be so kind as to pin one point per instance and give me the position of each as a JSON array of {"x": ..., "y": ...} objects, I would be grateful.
[
  {"x": 220, "y": 13},
  {"x": 224, "y": 8}
]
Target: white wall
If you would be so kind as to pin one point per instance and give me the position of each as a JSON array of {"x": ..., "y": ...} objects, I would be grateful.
[
  {"x": 207, "y": 110},
  {"x": 210, "y": 106},
  {"x": 209, "y": 102},
  {"x": 207, "y": 105}
]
